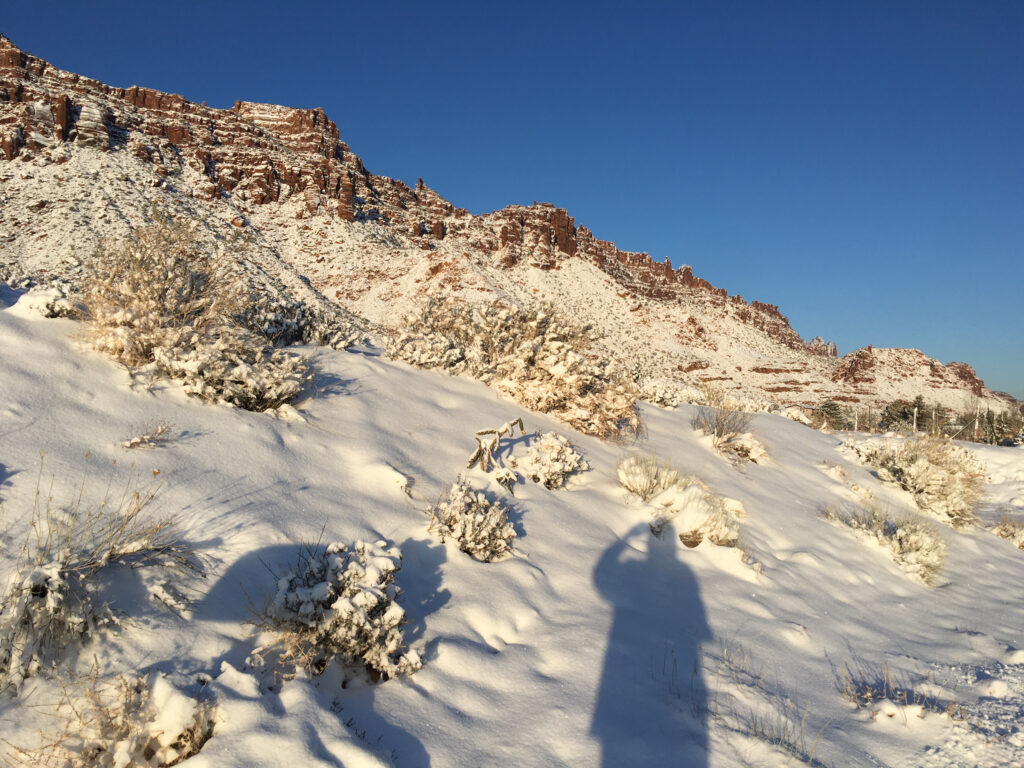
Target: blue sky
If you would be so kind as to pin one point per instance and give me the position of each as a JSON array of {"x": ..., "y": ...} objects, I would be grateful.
[{"x": 859, "y": 164}]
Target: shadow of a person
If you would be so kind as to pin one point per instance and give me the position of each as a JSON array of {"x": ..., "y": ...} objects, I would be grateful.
[{"x": 652, "y": 703}]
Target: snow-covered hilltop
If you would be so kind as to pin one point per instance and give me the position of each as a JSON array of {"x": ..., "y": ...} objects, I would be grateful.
[{"x": 80, "y": 160}]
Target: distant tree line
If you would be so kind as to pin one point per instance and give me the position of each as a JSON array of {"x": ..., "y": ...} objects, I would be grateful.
[{"x": 973, "y": 423}]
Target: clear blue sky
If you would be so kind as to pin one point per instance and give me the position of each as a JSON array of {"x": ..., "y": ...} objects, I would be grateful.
[{"x": 859, "y": 164}]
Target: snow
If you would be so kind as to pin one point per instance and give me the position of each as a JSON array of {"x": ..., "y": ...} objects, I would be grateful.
[{"x": 592, "y": 643}]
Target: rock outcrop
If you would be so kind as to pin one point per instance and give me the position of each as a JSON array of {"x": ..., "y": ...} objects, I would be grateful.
[{"x": 284, "y": 177}]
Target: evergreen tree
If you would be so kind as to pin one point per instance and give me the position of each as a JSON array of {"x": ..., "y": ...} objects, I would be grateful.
[
  {"x": 831, "y": 414},
  {"x": 919, "y": 414},
  {"x": 897, "y": 415}
]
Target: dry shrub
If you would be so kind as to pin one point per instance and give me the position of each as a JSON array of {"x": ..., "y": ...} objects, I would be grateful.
[
  {"x": 537, "y": 356},
  {"x": 164, "y": 304},
  {"x": 480, "y": 525},
  {"x": 338, "y": 602},
  {"x": 915, "y": 544},
  {"x": 943, "y": 478},
  {"x": 123, "y": 722},
  {"x": 156, "y": 291},
  {"x": 151, "y": 435},
  {"x": 700, "y": 512},
  {"x": 1011, "y": 530},
  {"x": 646, "y": 476},
  {"x": 50, "y": 601},
  {"x": 722, "y": 419},
  {"x": 552, "y": 459}
]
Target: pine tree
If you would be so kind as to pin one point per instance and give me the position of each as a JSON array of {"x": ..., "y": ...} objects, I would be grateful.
[
  {"x": 897, "y": 415},
  {"x": 830, "y": 414}
]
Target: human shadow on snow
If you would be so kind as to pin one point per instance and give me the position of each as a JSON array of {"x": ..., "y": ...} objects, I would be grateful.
[{"x": 652, "y": 703}]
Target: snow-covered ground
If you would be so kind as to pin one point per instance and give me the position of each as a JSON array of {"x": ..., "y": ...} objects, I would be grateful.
[{"x": 595, "y": 643}]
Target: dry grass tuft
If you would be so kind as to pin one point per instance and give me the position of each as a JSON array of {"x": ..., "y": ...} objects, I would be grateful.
[
  {"x": 151, "y": 435},
  {"x": 646, "y": 475},
  {"x": 50, "y": 601},
  {"x": 869, "y": 691},
  {"x": 723, "y": 421}
]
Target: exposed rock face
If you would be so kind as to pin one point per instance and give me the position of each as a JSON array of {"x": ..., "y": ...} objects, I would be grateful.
[{"x": 284, "y": 178}]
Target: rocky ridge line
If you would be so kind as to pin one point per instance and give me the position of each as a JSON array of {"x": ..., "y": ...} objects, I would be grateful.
[{"x": 259, "y": 157}]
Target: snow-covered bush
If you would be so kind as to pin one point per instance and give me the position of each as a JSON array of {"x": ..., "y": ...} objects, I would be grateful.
[
  {"x": 796, "y": 413},
  {"x": 646, "y": 475},
  {"x": 287, "y": 322},
  {"x": 339, "y": 602},
  {"x": 915, "y": 544},
  {"x": 699, "y": 513},
  {"x": 488, "y": 453},
  {"x": 235, "y": 366},
  {"x": 745, "y": 447},
  {"x": 45, "y": 609},
  {"x": 943, "y": 478},
  {"x": 50, "y": 601},
  {"x": 167, "y": 304},
  {"x": 551, "y": 459},
  {"x": 1011, "y": 530},
  {"x": 665, "y": 393},
  {"x": 53, "y": 300},
  {"x": 537, "y": 356},
  {"x": 720, "y": 418},
  {"x": 480, "y": 525},
  {"x": 126, "y": 722}
]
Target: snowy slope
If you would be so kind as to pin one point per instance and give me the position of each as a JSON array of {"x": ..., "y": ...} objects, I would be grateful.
[{"x": 595, "y": 644}]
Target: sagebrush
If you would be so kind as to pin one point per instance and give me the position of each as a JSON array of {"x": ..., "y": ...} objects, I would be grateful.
[
  {"x": 700, "y": 512},
  {"x": 551, "y": 460},
  {"x": 165, "y": 305},
  {"x": 1010, "y": 529},
  {"x": 536, "y": 355},
  {"x": 943, "y": 478},
  {"x": 914, "y": 544},
  {"x": 646, "y": 475},
  {"x": 477, "y": 523},
  {"x": 339, "y": 602}
]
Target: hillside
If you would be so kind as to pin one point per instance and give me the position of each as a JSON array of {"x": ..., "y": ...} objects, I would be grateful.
[
  {"x": 593, "y": 643},
  {"x": 81, "y": 161}
]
